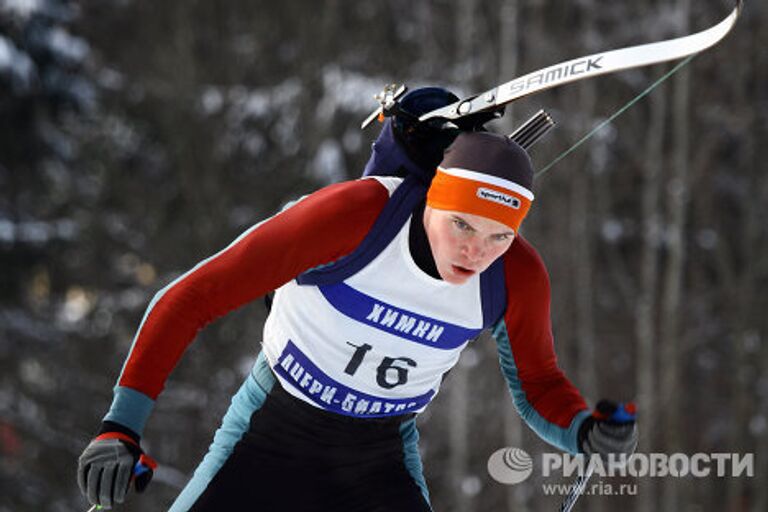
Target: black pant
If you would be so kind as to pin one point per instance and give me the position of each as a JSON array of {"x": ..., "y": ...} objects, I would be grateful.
[{"x": 298, "y": 458}]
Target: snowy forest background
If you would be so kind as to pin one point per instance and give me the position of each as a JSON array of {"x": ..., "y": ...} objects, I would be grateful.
[{"x": 138, "y": 137}]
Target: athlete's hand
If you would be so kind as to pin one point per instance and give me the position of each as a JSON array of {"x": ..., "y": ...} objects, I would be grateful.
[
  {"x": 611, "y": 429},
  {"x": 108, "y": 466}
]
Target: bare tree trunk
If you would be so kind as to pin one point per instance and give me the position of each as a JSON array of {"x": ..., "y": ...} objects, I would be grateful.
[
  {"x": 582, "y": 243},
  {"x": 429, "y": 48},
  {"x": 466, "y": 33},
  {"x": 582, "y": 236},
  {"x": 509, "y": 45},
  {"x": 516, "y": 497},
  {"x": 671, "y": 332},
  {"x": 745, "y": 375},
  {"x": 761, "y": 448},
  {"x": 199, "y": 186},
  {"x": 646, "y": 320},
  {"x": 458, "y": 436},
  {"x": 459, "y": 427},
  {"x": 758, "y": 133}
]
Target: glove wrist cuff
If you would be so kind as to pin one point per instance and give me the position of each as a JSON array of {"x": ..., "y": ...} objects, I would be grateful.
[
  {"x": 111, "y": 427},
  {"x": 584, "y": 429},
  {"x": 117, "y": 435}
]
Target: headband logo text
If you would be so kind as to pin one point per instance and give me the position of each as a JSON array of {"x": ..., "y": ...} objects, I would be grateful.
[{"x": 498, "y": 197}]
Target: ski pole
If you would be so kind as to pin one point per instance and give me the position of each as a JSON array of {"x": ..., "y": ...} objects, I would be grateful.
[
  {"x": 578, "y": 487},
  {"x": 624, "y": 413}
]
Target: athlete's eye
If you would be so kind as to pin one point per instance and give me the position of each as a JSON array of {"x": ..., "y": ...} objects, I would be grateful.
[
  {"x": 463, "y": 226},
  {"x": 503, "y": 237}
]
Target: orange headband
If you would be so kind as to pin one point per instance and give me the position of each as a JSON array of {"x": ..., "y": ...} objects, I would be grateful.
[{"x": 481, "y": 194}]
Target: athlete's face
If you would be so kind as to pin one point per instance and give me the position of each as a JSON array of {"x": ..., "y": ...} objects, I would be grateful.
[{"x": 464, "y": 244}]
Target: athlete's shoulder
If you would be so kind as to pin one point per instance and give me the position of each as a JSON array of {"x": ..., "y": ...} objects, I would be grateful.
[
  {"x": 390, "y": 183},
  {"x": 523, "y": 254},
  {"x": 354, "y": 201},
  {"x": 354, "y": 197},
  {"x": 523, "y": 264}
]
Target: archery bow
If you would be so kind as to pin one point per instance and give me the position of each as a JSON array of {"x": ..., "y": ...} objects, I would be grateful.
[{"x": 588, "y": 67}]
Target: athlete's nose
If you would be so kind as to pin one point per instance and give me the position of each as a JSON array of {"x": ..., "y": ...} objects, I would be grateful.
[{"x": 474, "y": 249}]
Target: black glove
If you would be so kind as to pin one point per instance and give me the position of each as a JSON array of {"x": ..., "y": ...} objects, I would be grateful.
[
  {"x": 110, "y": 463},
  {"x": 611, "y": 429},
  {"x": 425, "y": 142}
]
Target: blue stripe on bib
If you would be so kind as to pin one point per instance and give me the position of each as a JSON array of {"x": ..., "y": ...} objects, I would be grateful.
[
  {"x": 397, "y": 321},
  {"x": 294, "y": 366}
]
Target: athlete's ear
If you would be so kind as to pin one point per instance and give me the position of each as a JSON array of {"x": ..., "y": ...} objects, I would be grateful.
[
  {"x": 430, "y": 220},
  {"x": 427, "y": 216}
]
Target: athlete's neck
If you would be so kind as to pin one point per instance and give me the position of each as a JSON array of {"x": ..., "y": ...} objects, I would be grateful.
[{"x": 419, "y": 244}]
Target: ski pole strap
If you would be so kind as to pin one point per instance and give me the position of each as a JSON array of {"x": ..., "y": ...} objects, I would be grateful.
[{"x": 117, "y": 435}]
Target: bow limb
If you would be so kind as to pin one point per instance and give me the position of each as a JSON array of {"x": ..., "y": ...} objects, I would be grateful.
[{"x": 588, "y": 67}]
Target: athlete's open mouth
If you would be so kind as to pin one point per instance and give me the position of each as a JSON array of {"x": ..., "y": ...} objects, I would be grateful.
[{"x": 462, "y": 271}]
